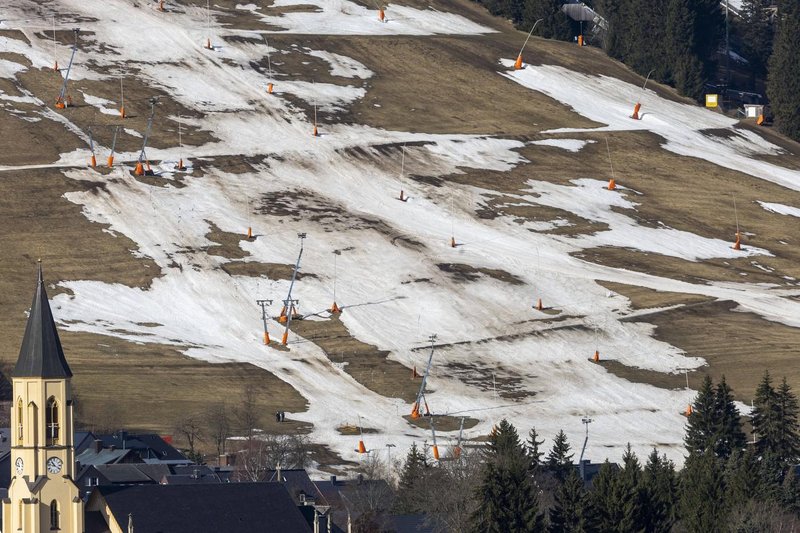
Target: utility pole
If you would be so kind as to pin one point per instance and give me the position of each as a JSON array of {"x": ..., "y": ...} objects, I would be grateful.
[
  {"x": 289, "y": 304},
  {"x": 264, "y": 304},
  {"x": 586, "y": 421}
]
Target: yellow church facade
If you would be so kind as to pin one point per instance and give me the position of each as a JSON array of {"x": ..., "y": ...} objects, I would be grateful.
[{"x": 42, "y": 495}]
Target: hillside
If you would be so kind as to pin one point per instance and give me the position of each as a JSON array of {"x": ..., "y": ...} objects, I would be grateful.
[{"x": 155, "y": 281}]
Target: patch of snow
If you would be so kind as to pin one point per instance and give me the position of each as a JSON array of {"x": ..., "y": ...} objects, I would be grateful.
[
  {"x": 571, "y": 145},
  {"x": 343, "y": 66},
  {"x": 780, "y": 209}
]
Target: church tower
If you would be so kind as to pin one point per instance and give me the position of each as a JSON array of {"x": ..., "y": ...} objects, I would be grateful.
[{"x": 43, "y": 495}]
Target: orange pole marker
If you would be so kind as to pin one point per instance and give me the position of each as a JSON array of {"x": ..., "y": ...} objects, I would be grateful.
[
  {"x": 139, "y": 170},
  {"x": 760, "y": 119},
  {"x": 60, "y": 103},
  {"x": 518, "y": 62},
  {"x": 316, "y": 131},
  {"x": 436, "y": 452},
  {"x": 539, "y": 305},
  {"x": 249, "y": 232},
  {"x": 122, "y": 112},
  {"x": 415, "y": 411},
  {"x": 414, "y": 372},
  {"x": 636, "y": 109},
  {"x": 361, "y": 447},
  {"x": 269, "y": 87},
  {"x": 208, "y": 44},
  {"x": 402, "y": 198},
  {"x": 55, "y": 67},
  {"x": 452, "y": 242},
  {"x": 93, "y": 163},
  {"x": 335, "y": 308},
  {"x": 110, "y": 161},
  {"x": 612, "y": 184},
  {"x": 161, "y": 5},
  {"x": 180, "y": 165},
  {"x": 381, "y": 15},
  {"x": 285, "y": 339},
  {"x": 596, "y": 357},
  {"x": 689, "y": 410},
  {"x": 457, "y": 452},
  {"x": 738, "y": 244},
  {"x": 266, "y": 337},
  {"x": 580, "y": 40}
]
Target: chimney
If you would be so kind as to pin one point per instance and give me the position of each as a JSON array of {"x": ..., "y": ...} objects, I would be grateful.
[
  {"x": 97, "y": 445},
  {"x": 123, "y": 436}
]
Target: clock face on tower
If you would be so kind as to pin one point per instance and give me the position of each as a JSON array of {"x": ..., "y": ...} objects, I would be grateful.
[
  {"x": 54, "y": 465},
  {"x": 19, "y": 464}
]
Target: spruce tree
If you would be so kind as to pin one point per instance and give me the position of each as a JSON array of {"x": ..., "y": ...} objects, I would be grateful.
[
  {"x": 554, "y": 25},
  {"x": 757, "y": 34},
  {"x": 729, "y": 434},
  {"x": 788, "y": 439},
  {"x": 410, "y": 491},
  {"x": 571, "y": 512},
  {"x": 559, "y": 460},
  {"x": 533, "y": 449},
  {"x": 631, "y": 493},
  {"x": 605, "y": 498},
  {"x": 701, "y": 426},
  {"x": 783, "y": 82},
  {"x": 709, "y": 29},
  {"x": 686, "y": 67},
  {"x": 661, "y": 488},
  {"x": 703, "y": 507},
  {"x": 765, "y": 416},
  {"x": 507, "y": 499}
]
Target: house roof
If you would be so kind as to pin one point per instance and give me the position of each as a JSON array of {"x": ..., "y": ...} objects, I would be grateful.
[
  {"x": 41, "y": 354},
  {"x": 151, "y": 447},
  {"x": 218, "y": 507},
  {"x": 104, "y": 457}
]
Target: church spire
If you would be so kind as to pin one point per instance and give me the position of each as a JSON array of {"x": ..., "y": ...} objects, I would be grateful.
[{"x": 41, "y": 355}]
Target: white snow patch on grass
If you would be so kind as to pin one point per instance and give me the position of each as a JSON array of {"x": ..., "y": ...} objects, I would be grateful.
[
  {"x": 343, "y": 66},
  {"x": 781, "y": 209}
]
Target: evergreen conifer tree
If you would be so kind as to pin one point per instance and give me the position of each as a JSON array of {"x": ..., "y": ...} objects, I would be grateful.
[
  {"x": 631, "y": 493},
  {"x": 703, "y": 506},
  {"x": 729, "y": 435},
  {"x": 783, "y": 81},
  {"x": 507, "y": 499},
  {"x": 554, "y": 25},
  {"x": 533, "y": 448},
  {"x": 788, "y": 439},
  {"x": 765, "y": 416},
  {"x": 410, "y": 491},
  {"x": 701, "y": 426},
  {"x": 757, "y": 34},
  {"x": 605, "y": 498},
  {"x": 686, "y": 67},
  {"x": 571, "y": 512},
  {"x": 661, "y": 487},
  {"x": 559, "y": 460}
]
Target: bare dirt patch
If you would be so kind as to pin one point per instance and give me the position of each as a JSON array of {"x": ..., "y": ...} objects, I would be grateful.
[{"x": 368, "y": 365}]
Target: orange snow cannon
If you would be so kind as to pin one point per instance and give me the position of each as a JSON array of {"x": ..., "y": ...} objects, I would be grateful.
[
  {"x": 612, "y": 184},
  {"x": 361, "y": 447},
  {"x": 636, "y": 109},
  {"x": 518, "y": 62},
  {"x": 738, "y": 244}
]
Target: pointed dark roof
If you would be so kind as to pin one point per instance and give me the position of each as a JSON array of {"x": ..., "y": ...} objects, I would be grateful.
[{"x": 41, "y": 355}]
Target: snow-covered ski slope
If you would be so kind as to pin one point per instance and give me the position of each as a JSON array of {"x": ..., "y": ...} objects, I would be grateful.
[{"x": 394, "y": 295}]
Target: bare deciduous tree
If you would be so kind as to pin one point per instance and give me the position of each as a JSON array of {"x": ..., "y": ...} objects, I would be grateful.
[
  {"x": 370, "y": 499},
  {"x": 188, "y": 427},
  {"x": 267, "y": 452},
  {"x": 246, "y": 411},
  {"x": 217, "y": 420}
]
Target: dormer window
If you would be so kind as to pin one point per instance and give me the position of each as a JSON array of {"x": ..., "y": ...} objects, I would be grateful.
[
  {"x": 52, "y": 422},
  {"x": 19, "y": 422}
]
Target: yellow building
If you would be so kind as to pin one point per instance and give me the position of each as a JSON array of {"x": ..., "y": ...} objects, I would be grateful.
[{"x": 43, "y": 495}]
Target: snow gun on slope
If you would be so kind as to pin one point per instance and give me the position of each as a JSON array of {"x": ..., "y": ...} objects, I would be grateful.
[
  {"x": 420, "y": 401},
  {"x": 64, "y": 99}
]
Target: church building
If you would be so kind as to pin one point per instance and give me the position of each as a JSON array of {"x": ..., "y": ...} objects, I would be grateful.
[{"x": 43, "y": 495}]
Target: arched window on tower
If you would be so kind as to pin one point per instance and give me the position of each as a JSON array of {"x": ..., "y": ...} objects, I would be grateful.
[
  {"x": 52, "y": 422},
  {"x": 19, "y": 422},
  {"x": 55, "y": 516}
]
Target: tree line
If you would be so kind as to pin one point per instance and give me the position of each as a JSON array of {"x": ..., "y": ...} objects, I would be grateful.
[
  {"x": 728, "y": 483},
  {"x": 680, "y": 42}
]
